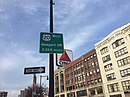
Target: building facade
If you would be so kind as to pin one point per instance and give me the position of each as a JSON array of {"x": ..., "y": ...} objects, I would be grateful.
[
  {"x": 59, "y": 83},
  {"x": 23, "y": 93},
  {"x": 113, "y": 54},
  {"x": 81, "y": 77},
  {"x": 102, "y": 72},
  {"x": 3, "y": 94}
]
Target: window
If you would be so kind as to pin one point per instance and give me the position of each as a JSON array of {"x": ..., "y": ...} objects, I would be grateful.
[
  {"x": 95, "y": 81},
  {"x": 56, "y": 78},
  {"x": 116, "y": 95},
  {"x": 92, "y": 82},
  {"x": 91, "y": 73},
  {"x": 88, "y": 83},
  {"x": 62, "y": 81},
  {"x": 94, "y": 55},
  {"x": 106, "y": 58},
  {"x": 84, "y": 84},
  {"x": 118, "y": 43},
  {"x": 121, "y": 52},
  {"x": 70, "y": 88},
  {"x": 111, "y": 76},
  {"x": 91, "y": 56},
  {"x": 62, "y": 88},
  {"x": 71, "y": 94},
  {"x": 79, "y": 78},
  {"x": 78, "y": 64},
  {"x": 92, "y": 92},
  {"x": 78, "y": 71},
  {"x": 99, "y": 80},
  {"x": 125, "y": 72},
  {"x": 94, "y": 72},
  {"x": 70, "y": 74},
  {"x": 80, "y": 85},
  {"x": 96, "y": 63},
  {"x": 113, "y": 87},
  {"x": 61, "y": 76},
  {"x": 57, "y": 90},
  {"x": 108, "y": 67},
  {"x": 126, "y": 85},
  {"x": 104, "y": 50},
  {"x": 82, "y": 93},
  {"x": 70, "y": 81},
  {"x": 97, "y": 70},
  {"x": 85, "y": 60},
  {"x": 93, "y": 64},
  {"x": 123, "y": 61},
  {"x": 99, "y": 90},
  {"x": 88, "y": 67},
  {"x": 87, "y": 75},
  {"x": 62, "y": 95}
]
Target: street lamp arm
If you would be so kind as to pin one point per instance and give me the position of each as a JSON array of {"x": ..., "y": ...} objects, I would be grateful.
[
  {"x": 41, "y": 84},
  {"x": 44, "y": 76}
]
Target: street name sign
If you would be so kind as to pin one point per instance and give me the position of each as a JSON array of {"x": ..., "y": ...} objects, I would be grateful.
[
  {"x": 51, "y": 43},
  {"x": 34, "y": 70}
]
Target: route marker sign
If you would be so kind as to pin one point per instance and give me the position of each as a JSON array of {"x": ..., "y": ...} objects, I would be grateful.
[
  {"x": 51, "y": 43},
  {"x": 34, "y": 70}
]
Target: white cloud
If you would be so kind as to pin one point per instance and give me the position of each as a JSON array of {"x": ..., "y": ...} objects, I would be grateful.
[
  {"x": 77, "y": 32},
  {"x": 5, "y": 8},
  {"x": 33, "y": 6},
  {"x": 13, "y": 93},
  {"x": 77, "y": 6},
  {"x": 77, "y": 40},
  {"x": 13, "y": 61},
  {"x": 8, "y": 62},
  {"x": 29, "y": 56},
  {"x": 18, "y": 57}
]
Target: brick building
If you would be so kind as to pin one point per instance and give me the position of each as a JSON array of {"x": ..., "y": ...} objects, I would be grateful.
[{"x": 82, "y": 78}]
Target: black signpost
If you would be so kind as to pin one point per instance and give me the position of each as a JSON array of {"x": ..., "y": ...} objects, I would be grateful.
[
  {"x": 51, "y": 56},
  {"x": 51, "y": 43}
]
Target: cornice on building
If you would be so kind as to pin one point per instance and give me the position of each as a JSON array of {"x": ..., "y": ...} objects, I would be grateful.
[{"x": 111, "y": 36}]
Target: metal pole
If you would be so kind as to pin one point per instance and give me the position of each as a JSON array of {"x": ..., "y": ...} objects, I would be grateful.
[
  {"x": 34, "y": 85},
  {"x": 51, "y": 56},
  {"x": 40, "y": 86}
]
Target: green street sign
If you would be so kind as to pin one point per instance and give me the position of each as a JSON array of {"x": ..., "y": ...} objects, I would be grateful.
[{"x": 51, "y": 43}]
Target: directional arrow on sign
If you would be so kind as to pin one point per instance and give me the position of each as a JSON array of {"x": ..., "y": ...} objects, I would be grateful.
[{"x": 34, "y": 70}]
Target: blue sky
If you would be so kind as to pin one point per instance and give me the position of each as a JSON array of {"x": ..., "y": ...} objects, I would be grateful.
[{"x": 82, "y": 22}]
